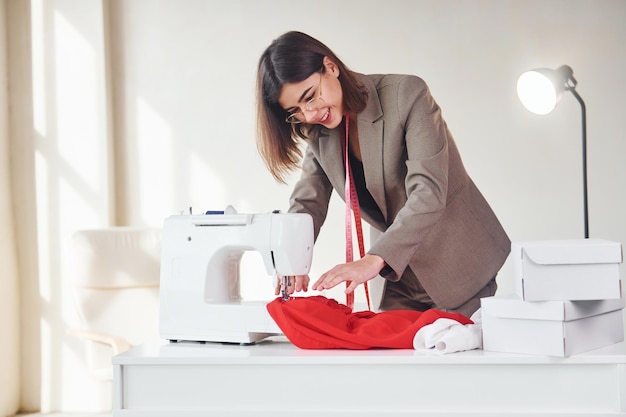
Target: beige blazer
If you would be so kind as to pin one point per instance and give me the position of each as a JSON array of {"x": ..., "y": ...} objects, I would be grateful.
[{"x": 436, "y": 221}]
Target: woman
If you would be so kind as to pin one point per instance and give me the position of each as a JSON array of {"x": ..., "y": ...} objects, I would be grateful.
[{"x": 440, "y": 245}]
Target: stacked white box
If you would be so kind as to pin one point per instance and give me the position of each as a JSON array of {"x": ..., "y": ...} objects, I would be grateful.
[
  {"x": 578, "y": 269},
  {"x": 568, "y": 299},
  {"x": 555, "y": 328}
]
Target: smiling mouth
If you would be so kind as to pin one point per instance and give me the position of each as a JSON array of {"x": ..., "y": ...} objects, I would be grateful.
[{"x": 325, "y": 117}]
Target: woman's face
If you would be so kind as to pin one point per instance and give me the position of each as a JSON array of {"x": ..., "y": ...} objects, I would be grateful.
[{"x": 317, "y": 99}]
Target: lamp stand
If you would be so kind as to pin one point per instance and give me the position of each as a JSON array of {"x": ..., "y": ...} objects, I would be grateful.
[{"x": 584, "y": 134}]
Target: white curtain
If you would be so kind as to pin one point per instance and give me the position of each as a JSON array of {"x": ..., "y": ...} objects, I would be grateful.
[
  {"x": 55, "y": 173},
  {"x": 20, "y": 312},
  {"x": 9, "y": 294}
]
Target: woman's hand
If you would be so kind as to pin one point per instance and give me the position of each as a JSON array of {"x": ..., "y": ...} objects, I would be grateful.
[
  {"x": 358, "y": 272},
  {"x": 296, "y": 283}
]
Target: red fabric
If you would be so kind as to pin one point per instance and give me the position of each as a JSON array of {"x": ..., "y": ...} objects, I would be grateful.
[{"x": 318, "y": 322}]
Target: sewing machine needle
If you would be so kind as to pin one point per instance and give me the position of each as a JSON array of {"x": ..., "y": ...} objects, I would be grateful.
[{"x": 285, "y": 287}]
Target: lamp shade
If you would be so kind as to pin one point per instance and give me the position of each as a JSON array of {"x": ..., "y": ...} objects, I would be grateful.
[
  {"x": 537, "y": 93},
  {"x": 540, "y": 90}
]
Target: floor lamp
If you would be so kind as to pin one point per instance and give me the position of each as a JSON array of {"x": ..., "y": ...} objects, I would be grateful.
[{"x": 540, "y": 90}]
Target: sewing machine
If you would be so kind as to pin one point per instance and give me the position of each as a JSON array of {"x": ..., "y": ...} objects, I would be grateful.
[{"x": 200, "y": 297}]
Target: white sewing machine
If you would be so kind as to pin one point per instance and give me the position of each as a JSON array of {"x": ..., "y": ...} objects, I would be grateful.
[{"x": 200, "y": 298}]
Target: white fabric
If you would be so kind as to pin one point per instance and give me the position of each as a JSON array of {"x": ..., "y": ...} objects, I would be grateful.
[{"x": 449, "y": 336}]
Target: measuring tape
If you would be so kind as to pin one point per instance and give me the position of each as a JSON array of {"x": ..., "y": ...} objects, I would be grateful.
[{"x": 352, "y": 207}]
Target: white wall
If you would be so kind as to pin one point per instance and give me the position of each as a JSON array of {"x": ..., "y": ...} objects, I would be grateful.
[
  {"x": 186, "y": 90},
  {"x": 181, "y": 90}
]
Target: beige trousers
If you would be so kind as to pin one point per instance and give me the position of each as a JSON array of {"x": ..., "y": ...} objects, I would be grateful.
[{"x": 397, "y": 297}]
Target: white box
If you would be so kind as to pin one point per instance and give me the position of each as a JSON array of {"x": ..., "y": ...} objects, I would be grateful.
[
  {"x": 577, "y": 269},
  {"x": 554, "y": 328}
]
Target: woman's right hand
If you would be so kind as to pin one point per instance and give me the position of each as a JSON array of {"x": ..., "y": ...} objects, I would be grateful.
[{"x": 296, "y": 283}]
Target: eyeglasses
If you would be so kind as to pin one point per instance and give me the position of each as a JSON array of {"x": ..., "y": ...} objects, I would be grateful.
[{"x": 312, "y": 105}]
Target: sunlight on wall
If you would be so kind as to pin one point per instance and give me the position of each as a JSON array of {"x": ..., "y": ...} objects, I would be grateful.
[
  {"x": 72, "y": 189},
  {"x": 154, "y": 147},
  {"x": 79, "y": 128},
  {"x": 206, "y": 188},
  {"x": 47, "y": 358},
  {"x": 41, "y": 168}
]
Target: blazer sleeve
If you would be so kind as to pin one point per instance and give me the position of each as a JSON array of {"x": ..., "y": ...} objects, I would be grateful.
[
  {"x": 422, "y": 132},
  {"x": 312, "y": 192}
]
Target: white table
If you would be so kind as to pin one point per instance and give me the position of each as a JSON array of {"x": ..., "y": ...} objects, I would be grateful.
[{"x": 277, "y": 379}]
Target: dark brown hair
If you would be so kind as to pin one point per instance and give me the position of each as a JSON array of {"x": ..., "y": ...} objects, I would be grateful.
[{"x": 292, "y": 58}]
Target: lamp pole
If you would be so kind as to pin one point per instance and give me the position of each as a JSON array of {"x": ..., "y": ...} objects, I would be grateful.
[{"x": 584, "y": 133}]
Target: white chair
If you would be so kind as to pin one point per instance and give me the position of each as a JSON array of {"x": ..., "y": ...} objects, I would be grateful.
[{"x": 116, "y": 289}]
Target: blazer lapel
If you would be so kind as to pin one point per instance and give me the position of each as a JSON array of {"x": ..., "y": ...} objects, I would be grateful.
[
  {"x": 331, "y": 155},
  {"x": 370, "y": 124}
]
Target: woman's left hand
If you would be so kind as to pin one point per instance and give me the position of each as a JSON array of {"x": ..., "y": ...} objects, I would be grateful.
[{"x": 357, "y": 272}]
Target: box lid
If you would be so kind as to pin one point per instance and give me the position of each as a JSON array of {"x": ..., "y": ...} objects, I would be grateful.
[
  {"x": 511, "y": 306},
  {"x": 572, "y": 251}
]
